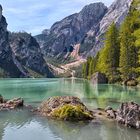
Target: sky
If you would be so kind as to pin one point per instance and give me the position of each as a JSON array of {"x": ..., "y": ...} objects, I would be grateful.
[{"x": 33, "y": 16}]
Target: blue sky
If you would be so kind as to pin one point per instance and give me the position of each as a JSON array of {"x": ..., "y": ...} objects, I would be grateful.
[{"x": 35, "y": 15}]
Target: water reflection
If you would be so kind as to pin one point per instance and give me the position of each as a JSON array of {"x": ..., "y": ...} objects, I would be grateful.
[
  {"x": 22, "y": 124},
  {"x": 109, "y": 95}
]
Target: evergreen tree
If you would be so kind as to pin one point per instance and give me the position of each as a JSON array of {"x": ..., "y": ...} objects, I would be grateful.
[
  {"x": 91, "y": 67},
  {"x": 137, "y": 44},
  {"x": 129, "y": 51},
  {"x": 109, "y": 56},
  {"x": 84, "y": 71}
]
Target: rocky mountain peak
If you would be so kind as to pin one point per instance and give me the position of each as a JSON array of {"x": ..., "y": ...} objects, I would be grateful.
[
  {"x": 46, "y": 32},
  {"x": 7, "y": 59},
  {"x": 92, "y": 10},
  {"x": 116, "y": 12},
  {"x": 71, "y": 30}
]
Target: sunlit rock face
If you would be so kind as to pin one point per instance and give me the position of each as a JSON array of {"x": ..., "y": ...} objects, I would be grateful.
[
  {"x": 85, "y": 28},
  {"x": 116, "y": 13},
  {"x": 65, "y": 34}
]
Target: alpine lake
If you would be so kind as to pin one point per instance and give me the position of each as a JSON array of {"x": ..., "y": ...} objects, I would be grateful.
[{"x": 21, "y": 124}]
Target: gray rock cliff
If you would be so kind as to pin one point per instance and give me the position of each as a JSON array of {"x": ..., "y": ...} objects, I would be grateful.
[
  {"x": 7, "y": 58},
  {"x": 116, "y": 13},
  {"x": 28, "y": 53},
  {"x": 63, "y": 35},
  {"x": 86, "y": 28}
]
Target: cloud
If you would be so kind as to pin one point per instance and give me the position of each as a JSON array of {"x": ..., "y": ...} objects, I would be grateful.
[{"x": 35, "y": 15}]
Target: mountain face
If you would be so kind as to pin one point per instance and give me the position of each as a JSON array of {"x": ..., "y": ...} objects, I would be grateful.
[
  {"x": 7, "y": 58},
  {"x": 64, "y": 35},
  {"x": 116, "y": 13},
  {"x": 85, "y": 28},
  {"x": 28, "y": 53}
]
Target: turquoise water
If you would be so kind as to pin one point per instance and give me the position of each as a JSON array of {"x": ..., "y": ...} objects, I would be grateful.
[{"x": 23, "y": 125}]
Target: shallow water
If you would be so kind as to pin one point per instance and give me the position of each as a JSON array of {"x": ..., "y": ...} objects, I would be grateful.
[{"x": 22, "y": 125}]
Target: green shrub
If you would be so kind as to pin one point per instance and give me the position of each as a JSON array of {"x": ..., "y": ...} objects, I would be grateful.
[{"x": 71, "y": 113}]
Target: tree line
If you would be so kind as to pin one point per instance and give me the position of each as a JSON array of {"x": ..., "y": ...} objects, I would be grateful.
[{"x": 120, "y": 57}]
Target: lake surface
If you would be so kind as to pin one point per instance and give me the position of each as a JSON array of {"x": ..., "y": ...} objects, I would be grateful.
[{"x": 23, "y": 125}]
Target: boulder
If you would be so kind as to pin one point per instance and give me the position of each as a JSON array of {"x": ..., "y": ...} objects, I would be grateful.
[
  {"x": 110, "y": 112},
  {"x": 108, "y": 108},
  {"x": 17, "y": 102},
  {"x": 129, "y": 114},
  {"x": 67, "y": 108},
  {"x": 99, "y": 78},
  {"x": 11, "y": 104},
  {"x": 130, "y": 82}
]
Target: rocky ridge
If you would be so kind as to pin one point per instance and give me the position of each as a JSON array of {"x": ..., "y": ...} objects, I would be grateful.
[
  {"x": 27, "y": 51},
  {"x": 85, "y": 28},
  {"x": 116, "y": 13},
  {"x": 64, "y": 35}
]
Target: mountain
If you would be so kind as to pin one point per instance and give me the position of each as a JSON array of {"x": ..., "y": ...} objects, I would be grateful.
[
  {"x": 116, "y": 13},
  {"x": 68, "y": 41},
  {"x": 20, "y": 54},
  {"x": 61, "y": 39},
  {"x": 27, "y": 51},
  {"x": 9, "y": 66},
  {"x": 85, "y": 29}
]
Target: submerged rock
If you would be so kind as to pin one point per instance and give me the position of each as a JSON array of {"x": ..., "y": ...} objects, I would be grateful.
[
  {"x": 65, "y": 108},
  {"x": 129, "y": 114}
]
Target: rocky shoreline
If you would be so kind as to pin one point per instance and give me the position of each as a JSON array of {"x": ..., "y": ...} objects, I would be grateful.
[{"x": 69, "y": 108}]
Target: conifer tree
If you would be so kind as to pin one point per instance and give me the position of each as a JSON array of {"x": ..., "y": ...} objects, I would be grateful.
[
  {"x": 129, "y": 51},
  {"x": 84, "y": 71},
  {"x": 109, "y": 56},
  {"x": 91, "y": 67}
]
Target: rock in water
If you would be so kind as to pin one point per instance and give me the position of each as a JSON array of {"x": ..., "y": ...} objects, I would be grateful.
[
  {"x": 111, "y": 114},
  {"x": 10, "y": 104},
  {"x": 130, "y": 82},
  {"x": 65, "y": 108},
  {"x": 99, "y": 78},
  {"x": 129, "y": 114}
]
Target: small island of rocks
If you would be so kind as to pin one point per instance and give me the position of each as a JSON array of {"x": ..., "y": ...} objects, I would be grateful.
[{"x": 69, "y": 108}]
